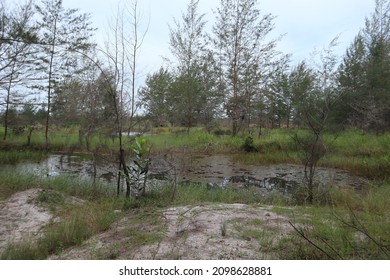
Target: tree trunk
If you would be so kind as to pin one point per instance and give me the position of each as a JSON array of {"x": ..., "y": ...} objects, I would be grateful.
[
  {"x": 50, "y": 86},
  {"x": 8, "y": 100}
]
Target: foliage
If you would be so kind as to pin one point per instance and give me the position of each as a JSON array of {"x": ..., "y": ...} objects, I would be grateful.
[
  {"x": 138, "y": 170},
  {"x": 242, "y": 65},
  {"x": 233, "y": 72},
  {"x": 155, "y": 97},
  {"x": 248, "y": 145},
  {"x": 364, "y": 74},
  {"x": 352, "y": 226},
  {"x": 59, "y": 46}
]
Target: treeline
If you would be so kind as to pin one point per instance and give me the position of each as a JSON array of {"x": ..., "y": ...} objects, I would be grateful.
[
  {"x": 41, "y": 46},
  {"x": 232, "y": 73},
  {"x": 52, "y": 72},
  {"x": 50, "y": 67},
  {"x": 236, "y": 72}
]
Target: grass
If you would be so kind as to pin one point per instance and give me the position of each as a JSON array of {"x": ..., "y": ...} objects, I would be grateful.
[
  {"x": 15, "y": 156},
  {"x": 60, "y": 139},
  {"x": 363, "y": 154},
  {"x": 77, "y": 221},
  {"x": 77, "y": 224},
  {"x": 197, "y": 141},
  {"x": 350, "y": 226},
  {"x": 12, "y": 182},
  {"x": 343, "y": 225}
]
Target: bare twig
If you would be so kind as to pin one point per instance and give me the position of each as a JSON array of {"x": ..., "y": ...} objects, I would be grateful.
[
  {"x": 303, "y": 235},
  {"x": 358, "y": 226}
]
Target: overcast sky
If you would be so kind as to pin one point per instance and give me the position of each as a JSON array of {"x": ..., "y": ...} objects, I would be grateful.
[{"x": 308, "y": 24}]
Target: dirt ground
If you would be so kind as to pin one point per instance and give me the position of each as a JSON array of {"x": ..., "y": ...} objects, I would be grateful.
[
  {"x": 21, "y": 217},
  {"x": 217, "y": 231}
]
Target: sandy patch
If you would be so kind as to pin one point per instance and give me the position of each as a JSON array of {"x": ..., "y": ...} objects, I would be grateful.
[
  {"x": 219, "y": 231},
  {"x": 213, "y": 232},
  {"x": 21, "y": 218}
]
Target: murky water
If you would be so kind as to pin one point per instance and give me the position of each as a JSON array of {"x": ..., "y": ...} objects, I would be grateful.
[
  {"x": 74, "y": 165},
  {"x": 217, "y": 171},
  {"x": 223, "y": 171}
]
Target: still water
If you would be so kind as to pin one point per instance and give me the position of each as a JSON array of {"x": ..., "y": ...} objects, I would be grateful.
[{"x": 217, "y": 171}]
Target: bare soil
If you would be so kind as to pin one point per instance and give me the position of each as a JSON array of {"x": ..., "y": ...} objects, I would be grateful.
[
  {"x": 217, "y": 231},
  {"x": 21, "y": 218}
]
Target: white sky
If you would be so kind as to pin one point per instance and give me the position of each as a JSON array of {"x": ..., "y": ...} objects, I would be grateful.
[{"x": 309, "y": 24}]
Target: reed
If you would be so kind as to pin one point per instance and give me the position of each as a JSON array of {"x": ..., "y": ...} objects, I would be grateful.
[{"x": 15, "y": 156}]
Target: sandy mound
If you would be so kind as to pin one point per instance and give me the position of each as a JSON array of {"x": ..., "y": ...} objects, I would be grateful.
[
  {"x": 214, "y": 232},
  {"x": 21, "y": 218},
  {"x": 219, "y": 231}
]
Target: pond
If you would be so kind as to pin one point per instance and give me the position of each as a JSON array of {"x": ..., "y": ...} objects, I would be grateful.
[{"x": 217, "y": 171}]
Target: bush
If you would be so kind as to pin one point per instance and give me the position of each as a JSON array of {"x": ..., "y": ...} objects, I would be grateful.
[{"x": 248, "y": 145}]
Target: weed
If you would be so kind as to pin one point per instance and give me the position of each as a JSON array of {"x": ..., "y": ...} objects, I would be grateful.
[
  {"x": 223, "y": 229},
  {"x": 23, "y": 250},
  {"x": 248, "y": 145}
]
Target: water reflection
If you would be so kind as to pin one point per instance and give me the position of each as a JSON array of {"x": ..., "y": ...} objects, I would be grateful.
[
  {"x": 217, "y": 171},
  {"x": 74, "y": 165}
]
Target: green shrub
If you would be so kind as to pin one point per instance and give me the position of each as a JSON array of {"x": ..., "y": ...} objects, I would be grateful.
[{"x": 248, "y": 145}]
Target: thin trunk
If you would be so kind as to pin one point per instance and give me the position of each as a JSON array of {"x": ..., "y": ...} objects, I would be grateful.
[
  {"x": 118, "y": 187},
  {"x": 30, "y": 131},
  {"x": 50, "y": 85},
  {"x": 6, "y": 115},
  {"x": 133, "y": 72},
  {"x": 8, "y": 100}
]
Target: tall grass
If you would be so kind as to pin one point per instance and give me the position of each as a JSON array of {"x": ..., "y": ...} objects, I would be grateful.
[
  {"x": 15, "y": 156},
  {"x": 12, "y": 182},
  {"x": 345, "y": 225},
  {"x": 351, "y": 226},
  {"x": 60, "y": 139},
  {"x": 197, "y": 141},
  {"x": 77, "y": 223},
  {"x": 364, "y": 154}
]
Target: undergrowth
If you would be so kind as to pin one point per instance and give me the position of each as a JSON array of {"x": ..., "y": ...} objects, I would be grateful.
[{"x": 341, "y": 224}]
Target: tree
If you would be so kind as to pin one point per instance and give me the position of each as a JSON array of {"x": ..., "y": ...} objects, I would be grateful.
[
  {"x": 138, "y": 37},
  {"x": 377, "y": 37},
  {"x": 18, "y": 33},
  {"x": 352, "y": 83},
  {"x": 187, "y": 42},
  {"x": 279, "y": 94},
  {"x": 365, "y": 73},
  {"x": 155, "y": 96},
  {"x": 211, "y": 97},
  {"x": 315, "y": 105},
  {"x": 63, "y": 33},
  {"x": 240, "y": 31},
  {"x": 301, "y": 82},
  {"x": 122, "y": 55}
]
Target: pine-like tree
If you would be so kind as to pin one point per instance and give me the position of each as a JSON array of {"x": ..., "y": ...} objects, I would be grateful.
[
  {"x": 244, "y": 54},
  {"x": 63, "y": 34}
]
